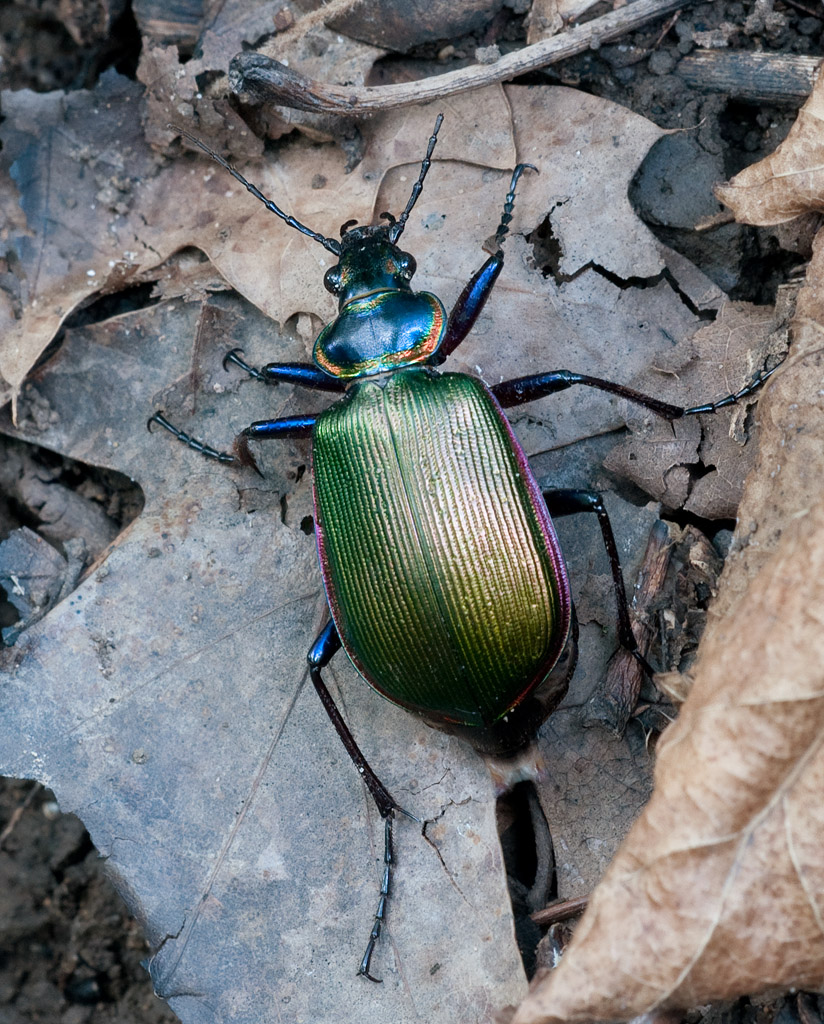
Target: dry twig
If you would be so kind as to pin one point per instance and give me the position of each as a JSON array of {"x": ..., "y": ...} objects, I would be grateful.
[
  {"x": 562, "y": 910},
  {"x": 263, "y": 80}
]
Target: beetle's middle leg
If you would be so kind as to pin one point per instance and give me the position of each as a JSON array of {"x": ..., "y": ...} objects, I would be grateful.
[
  {"x": 473, "y": 298},
  {"x": 566, "y": 502},
  {"x": 539, "y": 385},
  {"x": 320, "y": 654},
  {"x": 282, "y": 428}
]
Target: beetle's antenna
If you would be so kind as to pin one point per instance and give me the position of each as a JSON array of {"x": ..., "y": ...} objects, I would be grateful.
[
  {"x": 328, "y": 243},
  {"x": 396, "y": 230}
]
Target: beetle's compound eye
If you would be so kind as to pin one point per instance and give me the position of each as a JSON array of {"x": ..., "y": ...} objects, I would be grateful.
[
  {"x": 332, "y": 280},
  {"x": 407, "y": 265}
]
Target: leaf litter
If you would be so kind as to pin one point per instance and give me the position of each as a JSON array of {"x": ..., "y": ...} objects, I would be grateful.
[
  {"x": 716, "y": 892},
  {"x": 184, "y": 750}
]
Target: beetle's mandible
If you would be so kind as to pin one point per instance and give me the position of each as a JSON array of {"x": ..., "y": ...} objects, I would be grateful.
[{"x": 445, "y": 581}]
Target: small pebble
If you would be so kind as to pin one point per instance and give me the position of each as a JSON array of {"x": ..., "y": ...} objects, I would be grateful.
[
  {"x": 487, "y": 55},
  {"x": 661, "y": 63},
  {"x": 51, "y": 810},
  {"x": 809, "y": 26}
]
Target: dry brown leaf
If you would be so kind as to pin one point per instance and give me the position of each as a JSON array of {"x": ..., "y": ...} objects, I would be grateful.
[
  {"x": 789, "y": 469},
  {"x": 657, "y": 454},
  {"x": 402, "y": 24},
  {"x": 717, "y": 891},
  {"x": 102, "y": 213},
  {"x": 789, "y": 181}
]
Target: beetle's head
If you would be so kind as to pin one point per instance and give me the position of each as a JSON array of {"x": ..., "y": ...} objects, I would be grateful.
[
  {"x": 369, "y": 262},
  {"x": 382, "y": 325}
]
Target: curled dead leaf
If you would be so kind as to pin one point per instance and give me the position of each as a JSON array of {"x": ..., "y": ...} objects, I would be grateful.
[
  {"x": 716, "y": 893},
  {"x": 789, "y": 181},
  {"x": 718, "y": 889}
]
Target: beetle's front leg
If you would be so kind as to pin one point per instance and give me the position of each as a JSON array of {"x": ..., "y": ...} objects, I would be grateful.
[
  {"x": 566, "y": 502},
  {"x": 306, "y": 375},
  {"x": 473, "y": 298},
  {"x": 320, "y": 654}
]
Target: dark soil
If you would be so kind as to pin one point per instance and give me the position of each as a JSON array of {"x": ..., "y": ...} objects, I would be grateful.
[{"x": 68, "y": 951}]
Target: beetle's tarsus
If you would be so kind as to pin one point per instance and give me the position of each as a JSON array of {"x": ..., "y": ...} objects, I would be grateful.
[
  {"x": 234, "y": 356},
  {"x": 191, "y": 442},
  {"x": 509, "y": 204},
  {"x": 371, "y": 977},
  {"x": 733, "y": 399},
  {"x": 380, "y": 913}
]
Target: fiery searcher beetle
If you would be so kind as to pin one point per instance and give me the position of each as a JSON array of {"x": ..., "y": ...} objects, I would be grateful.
[{"x": 445, "y": 581}]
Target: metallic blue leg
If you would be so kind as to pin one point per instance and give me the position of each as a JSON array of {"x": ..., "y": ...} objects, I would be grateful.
[
  {"x": 264, "y": 430},
  {"x": 320, "y": 654},
  {"x": 473, "y": 298},
  {"x": 468, "y": 307},
  {"x": 539, "y": 385},
  {"x": 566, "y": 502},
  {"x": 306, "y": 375},
  {"x": 281, "y": 428},
  {"x": 285, "y": 427}
]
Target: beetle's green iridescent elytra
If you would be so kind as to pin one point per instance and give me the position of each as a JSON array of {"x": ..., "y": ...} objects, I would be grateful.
[{"x": 443, "y": 572}]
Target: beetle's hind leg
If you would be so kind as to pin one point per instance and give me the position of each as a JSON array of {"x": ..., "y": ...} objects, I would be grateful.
[
  {"x": 380, "y": 913},
  {"x": 320, "y": 654},
  {"x": 528, "y": 389},
  {"x": 567, "y": 502}
]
